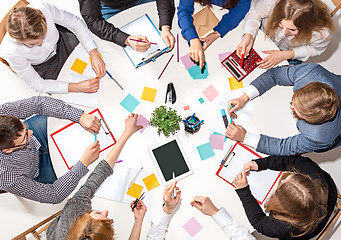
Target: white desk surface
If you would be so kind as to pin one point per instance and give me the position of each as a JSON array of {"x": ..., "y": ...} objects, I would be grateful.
[{"x": 135, "y": 154}]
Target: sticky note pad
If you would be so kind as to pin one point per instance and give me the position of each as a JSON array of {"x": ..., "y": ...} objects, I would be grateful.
[
  {"x": 198, "y": 73},
  {"x": 201, "y": 100},
  {"x": 187, "y": 61},
  {"x": 186, "y": 108},
  {"x": 130, "y": 103},
  {"x": 79, "y": 66},
  {"x": 142, "y": 121},
  {"x": 151, "y": 182},
  {"x": 234, "y": 84},
  {"x": 217, "y": 141},
  {"x": 135, "y": 190},
  {"x": 205, "y": 151},
  {"x": 225, "y": 138},
  {"x": 222, "y": 57},
  {"x": 148, "y": 94},
  {"x": 211, "y": 93},
  {"x": 192, "y": 227}
]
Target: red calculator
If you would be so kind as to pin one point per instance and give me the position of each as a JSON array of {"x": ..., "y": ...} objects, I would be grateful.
[{"x": 232, "y": 63}]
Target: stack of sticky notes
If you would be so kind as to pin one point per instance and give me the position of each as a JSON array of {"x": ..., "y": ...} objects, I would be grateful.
[
  {"x": 194, "y": 69},
  {"x": 211, "y": 93},
  {"x": 148, "y": 94}
]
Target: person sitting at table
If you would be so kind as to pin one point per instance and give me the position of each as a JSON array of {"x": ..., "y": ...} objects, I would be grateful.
[
  {"x": 38, "y": 43},
  {"x": 300, "y": 28},
  {"x": 96, "y": 12},
  {"x": 302, "y": 203},
  {"x": 160, "y": 223},
  {"x": 25, "y": 165},
  {"x": 237, "y": 10},
  {"x": 315, "y": 104},
  {"x": 77, "y": 220}
]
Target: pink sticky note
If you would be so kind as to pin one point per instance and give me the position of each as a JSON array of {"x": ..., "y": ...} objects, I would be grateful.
[
  {"x": 222, "y": 56},
  {"x": 187, "y": 61},
  {"x": 211, "y": 93},
  {"x": 142, "y": 121},
  {"x": 192, "y": 227},
  {"x": 217, "y": 141},
  {"x": 186, "y": 108}
]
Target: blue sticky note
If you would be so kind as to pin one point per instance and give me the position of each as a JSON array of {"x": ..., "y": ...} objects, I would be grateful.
[
  {"x": 205, "y": 151},
  {"x": 130, "y": 103},
  {"x": 220, "y": 135},
  {"x": 201, "y": 100},
  {"x": 198, "y": 73}
]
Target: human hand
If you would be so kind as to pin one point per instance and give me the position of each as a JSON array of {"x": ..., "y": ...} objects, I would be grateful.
[
  {"x": 170, "y": 203},
  {"x": 205, "y": 205},
  {"x": 196, "y": 52},
  {"x": 235, "y": 132},
  {"x": 275, "y": 57},
  {"x": 90, "y": 154},
  {"x": 86, "y": 86},
  {"x": 138, "y": 46},
  {"x": 130, "y": 124},
  {"x": 209, "y": 39},
  {"x": 139, "y": 210},
  {"x": 240, "y": 180},
  {"x": 252, "y": 165},
  {"x": 90, "y": 123},
  {"x": 168, "y": 37},
  {"x": 245, "y": 45},
  {"x": 237, "y": 103},
  {"x": 97, "y": 63}
]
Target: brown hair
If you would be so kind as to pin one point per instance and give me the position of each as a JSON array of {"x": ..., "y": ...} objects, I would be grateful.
[
  {"x": 316, "y": 102},
  {"x": 26, "y": 23},
  {"x": 10, "y": 128},
  {"x": 228, "y": 4},
  {"x": 307, "y": 16},
  {"x": 87, "y": 228},
  {"x": 299, "y": 201}
]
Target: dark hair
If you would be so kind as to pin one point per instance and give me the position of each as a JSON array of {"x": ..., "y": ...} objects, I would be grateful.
[
  {"x": 10, "y": 128},
  {"x": 229, "y": 4}
]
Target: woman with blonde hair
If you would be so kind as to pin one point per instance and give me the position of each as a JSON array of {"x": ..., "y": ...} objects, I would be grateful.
[
  {"x": 300, "y": 28},
  {"x": 38, "y": 42},
  {"x": 302, "y": 203}
]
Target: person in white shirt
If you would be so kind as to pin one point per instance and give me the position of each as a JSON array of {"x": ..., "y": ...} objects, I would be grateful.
[
  {"x": 300, "y": 29},
  {"x": 230, "y": 226},
  {"x": 38, "y": 42}
]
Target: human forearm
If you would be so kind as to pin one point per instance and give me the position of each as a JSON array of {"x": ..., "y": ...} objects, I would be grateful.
[
  {"x": 166, "y": 10},
  {"x": 136, "y": 230}
]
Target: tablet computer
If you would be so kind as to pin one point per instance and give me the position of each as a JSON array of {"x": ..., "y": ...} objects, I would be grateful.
[{"x": 168, "y": 157}]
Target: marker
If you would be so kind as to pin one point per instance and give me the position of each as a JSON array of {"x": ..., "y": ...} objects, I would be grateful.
[
  {"x": 135, "y": 177},
  {"x": 137, "y": 40},
  {"x": 231, "y": 120},
  {"x": 197, "y": 123},
  {"x": 223, "y": 114},
  {"x": 165, "y": 66},
  {"x": 186, "y": 121},
  {"x": 192, "y": 117},
  {"x": 137, "y": 200},
  {"x": 242, "y": 60},
  {"x": 114, "y": 79},
  {"x": 95, "y": 136},
  {"x": 246, "y": 171},
  {"x": 174, "y": 190},
  {"x": 119, "y": 161}
]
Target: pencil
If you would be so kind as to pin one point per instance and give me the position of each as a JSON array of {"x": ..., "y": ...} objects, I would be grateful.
[
  {"x": 166, "y": 66},
  {"x": 137, "y": 40},
  {"x": 177, "y": 44},
  {"x": 119, "y": 161},
  {"x": 135, "y": 177},
  {"x": 114, "y": 79}
]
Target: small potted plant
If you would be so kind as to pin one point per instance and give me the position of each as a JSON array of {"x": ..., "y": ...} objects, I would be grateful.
[{"x": 167, "y": 122}]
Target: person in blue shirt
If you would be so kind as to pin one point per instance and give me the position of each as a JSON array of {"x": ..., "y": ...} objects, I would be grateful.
[{"x": 237, "y": 11}]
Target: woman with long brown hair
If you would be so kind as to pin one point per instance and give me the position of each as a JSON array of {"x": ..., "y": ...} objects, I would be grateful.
[
  {"x": 300, "y": 28},
  {"x": 302, "y": 203},
  {"x": 237, "y": 10}
]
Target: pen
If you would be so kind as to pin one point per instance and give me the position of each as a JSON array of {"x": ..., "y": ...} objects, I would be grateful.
[
  {"x": 226, "y": 155},
  {"x": 174, "y": 190},
  {"x": 135, "y": 177},
  {"x": 223, "y": 114},
  {"x": 231, "y": 114},
  {"x": 137, "y": 40},
  {"x": 198, "y": 123},
  {"x": 242, "y": 60},
  {"x": 186, "y": 121},
  {"x": 95, "y": 136},
  {"x": 246, "y": 171},
  {"x": 137, "y": 200},
  {"x": 114, "y": 79},
  {"x": 119, "y": 161},
  {"x": 165, "y": 66},
  {"x": 192, "y": 117}
]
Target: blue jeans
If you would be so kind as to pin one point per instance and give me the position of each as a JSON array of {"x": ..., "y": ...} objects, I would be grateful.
[
  {"x": 108, "y": 12},
  {"x": 38, "y": 124}
]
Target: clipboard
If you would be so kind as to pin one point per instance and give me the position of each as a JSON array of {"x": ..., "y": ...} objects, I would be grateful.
[
  {"x": 72, "y": 139},
  {"x": 260, "y": 182},
  {"x": 144, "y": 26}
]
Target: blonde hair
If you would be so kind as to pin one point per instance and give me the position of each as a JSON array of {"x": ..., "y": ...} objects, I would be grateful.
[
  {"x": 316, "y": 102},
  {"x": 307, "y": 16},
  {"x": 87, "y": 228},
  {"x": 26, "y": 23},
  {"x": 300, "y": 201}
]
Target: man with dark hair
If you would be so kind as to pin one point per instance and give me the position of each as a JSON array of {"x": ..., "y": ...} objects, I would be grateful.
[
  {"x": 315, "y": 104},
  {"x": 25, "y": 165}
]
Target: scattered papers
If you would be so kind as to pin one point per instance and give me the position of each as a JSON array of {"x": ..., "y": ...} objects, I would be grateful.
[
  {"x": 130, "y": 103},
  {"x": 211, "y": 93},
  {"x": 79, "y": 66},
  {"x": 234, "y": 84},
  {"x": 225, "y": 138},
  {"x": 148, "y": 94},
  {"x": 151, "y": 182},
  {"x": 205, "y": 151},
  {"x": 187, "y": 61},
  {"x": 142, "y": 121},
  {"x": 135, "y": 190},
  {"x": 217, "y": 141},
  {"x": 192, "y": 227},
  {"x": 193, "y": 68}
]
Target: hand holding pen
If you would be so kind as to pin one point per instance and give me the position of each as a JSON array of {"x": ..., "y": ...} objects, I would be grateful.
[
  {"x": 240, "y": 180},
  {"x": 171, "y": 203},
  {"x": 138, "y": 208},
  {"x": 141, "y": 45}
]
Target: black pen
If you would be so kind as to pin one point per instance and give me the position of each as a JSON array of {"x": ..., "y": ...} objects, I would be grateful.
[{"x": 137, "y": 200}]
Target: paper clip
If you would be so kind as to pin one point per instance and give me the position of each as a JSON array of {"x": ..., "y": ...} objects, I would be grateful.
[
  {"x": 104, "y": 126},
  {"x": 230, "y": 156},
  {"x": 152, "y": 56}
]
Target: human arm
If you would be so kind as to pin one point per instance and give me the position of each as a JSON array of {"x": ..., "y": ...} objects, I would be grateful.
[
  {"x": 139, "y": 212},
  {"x": 166, "y": 10},
  {"x": 275, "y": 57}
]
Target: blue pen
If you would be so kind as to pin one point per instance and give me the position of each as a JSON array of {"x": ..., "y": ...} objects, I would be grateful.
[
  {"x": 95, "y": 136},
  {"x": 114, "y": 79},
  {"x": 231, "y": 113},
  {"x": 198, "y": 123},
  {"x": 193, "y": 117}
]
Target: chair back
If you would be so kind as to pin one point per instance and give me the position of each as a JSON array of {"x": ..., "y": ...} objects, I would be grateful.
[{"x": 337, "y": 4}]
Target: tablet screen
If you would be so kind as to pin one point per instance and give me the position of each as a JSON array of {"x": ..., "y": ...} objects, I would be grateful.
[{"x": 170, "y": 159}]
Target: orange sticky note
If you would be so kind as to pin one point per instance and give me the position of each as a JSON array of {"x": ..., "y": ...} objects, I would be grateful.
[
  {"x": 148, "y": 94},
  {"x": 186, "y": 108},
  {"x": 151, "y": 182},
  {"x": 135, "y": 190},
  {"x": 100, "y": 54},
  {"x": 234, "y": 84},
  {"x": 79, "y": 66}
]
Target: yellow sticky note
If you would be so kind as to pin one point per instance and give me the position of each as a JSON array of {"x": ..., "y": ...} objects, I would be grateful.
[
  {"x": 135, "y": 190},
  {"x": 79, "y": 66},
  {"x": 234, "y": 84},
  {"x": 151, "y": 182},
  {"x": 148, "y": 94},
  {"x": 100, "y": 54}
]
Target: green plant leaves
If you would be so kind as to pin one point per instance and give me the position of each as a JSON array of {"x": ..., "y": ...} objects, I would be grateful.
[{"x": 167, "y": 122}]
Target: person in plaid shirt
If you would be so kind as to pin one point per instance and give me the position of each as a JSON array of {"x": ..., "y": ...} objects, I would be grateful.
[{"x": 25, "y": 164}]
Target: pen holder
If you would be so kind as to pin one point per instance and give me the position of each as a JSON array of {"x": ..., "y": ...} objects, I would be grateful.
[{"x": 189, "y": 127}]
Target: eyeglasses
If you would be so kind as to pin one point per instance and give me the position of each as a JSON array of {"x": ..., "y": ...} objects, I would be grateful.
[{"x": 26, "y": 143}]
